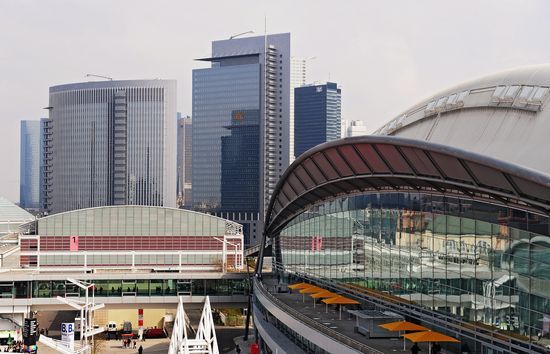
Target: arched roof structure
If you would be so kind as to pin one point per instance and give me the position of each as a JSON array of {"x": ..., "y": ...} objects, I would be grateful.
[{"x": 393, "y": 164}]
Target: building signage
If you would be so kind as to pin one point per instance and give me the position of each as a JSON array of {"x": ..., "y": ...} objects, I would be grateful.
[
  {"x": 74, "y": 244},
  {"x": 29, "y": 331},
  {"x": 67, "y": 334},
  {"x": 140, "y": 318}
]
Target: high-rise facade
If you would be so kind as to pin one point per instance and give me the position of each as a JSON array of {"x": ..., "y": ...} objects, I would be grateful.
[
  {"x": 29, "y": 177},
  {"x": 240, "y": 183},
  {"x": 297, "y": 79},
  {"x": 112, "y": 143},
  {"x": 246, "y": 74},
  {"x": 184, "y": 156},
  {"x": 317, "y": 115},
  {"x": 352, "y": 128}
]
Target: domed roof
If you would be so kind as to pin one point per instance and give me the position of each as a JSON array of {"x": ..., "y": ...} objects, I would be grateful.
[{"x": 503, "y": 115}]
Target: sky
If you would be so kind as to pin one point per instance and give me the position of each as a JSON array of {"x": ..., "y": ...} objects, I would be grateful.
[{"x": 385, "y": 55}]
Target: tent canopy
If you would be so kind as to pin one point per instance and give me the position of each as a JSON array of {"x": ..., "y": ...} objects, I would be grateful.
[
  {"x": 340, "y": 300},
  {"x": 429, "y": 336},
  {"x": 402, "y": 326}
]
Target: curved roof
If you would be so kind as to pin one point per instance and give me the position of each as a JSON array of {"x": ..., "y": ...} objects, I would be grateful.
[
  {"x": 393, "y": 164},
  {"x": 135, "y": 220},
  {"x": 503, "y": 115}
]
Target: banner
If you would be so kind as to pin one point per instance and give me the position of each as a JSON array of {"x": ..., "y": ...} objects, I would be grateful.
[{"x": 67, "y": 334}]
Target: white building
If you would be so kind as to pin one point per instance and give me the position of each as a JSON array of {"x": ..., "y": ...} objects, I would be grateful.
[
  {"x": 352, "y": 128},
  {"x": 297, "y": 79}
]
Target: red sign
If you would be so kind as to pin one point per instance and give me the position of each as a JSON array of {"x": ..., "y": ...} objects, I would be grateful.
[
  {"x": 140, "y": 317},
  {"x": 73, "y": 244}
]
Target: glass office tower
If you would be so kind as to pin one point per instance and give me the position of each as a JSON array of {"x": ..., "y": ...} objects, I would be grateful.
[
  {"x": 29, "y": 177},
  {"x": 113, "y": 143},
  {"x": 218, "y": 92},
  {"x": 241, "y": 163},
  {"x": 246, "y": 74},
  {"x": 317, "y": 115}
]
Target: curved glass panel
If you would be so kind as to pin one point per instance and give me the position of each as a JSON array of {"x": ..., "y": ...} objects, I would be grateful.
[{"x": 477, "y": 262}]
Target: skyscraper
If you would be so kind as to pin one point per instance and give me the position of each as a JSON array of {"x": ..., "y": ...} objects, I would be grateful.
[
  {"x": 29, "y": 177},
  {"x": 184, "y": 157},
  {"x": 246, "y": 74},
  {"x": 241, "y": 164},
  {"x": 297, "y": 79},
  {"x": 113, "y": 143},
  {"x": 317, "y": 114}
]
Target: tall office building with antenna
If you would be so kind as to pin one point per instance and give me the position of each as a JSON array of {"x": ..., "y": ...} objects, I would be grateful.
[{"x": 248, "y": 78}]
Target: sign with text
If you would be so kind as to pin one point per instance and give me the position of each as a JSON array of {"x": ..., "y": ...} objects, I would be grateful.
[
  {"x": 74, "y": 244},
  {"x": 29, "y": 331},
  {"x": 67, "y": 334}
]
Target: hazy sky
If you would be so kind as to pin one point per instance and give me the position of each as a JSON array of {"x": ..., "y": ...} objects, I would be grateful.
[{"x": 386, "y": 55}]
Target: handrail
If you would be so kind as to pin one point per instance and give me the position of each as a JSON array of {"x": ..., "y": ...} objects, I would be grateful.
[{"x": 352, "y": 343}]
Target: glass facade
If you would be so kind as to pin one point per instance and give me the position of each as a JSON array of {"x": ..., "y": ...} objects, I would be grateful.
[
  {"x": 241, "y": 163},
  {"x": 114, "y": 143},
  {"x": 217, "y": 93},
  {"x": 475, "y": 262},
  {"x": 317, "y": 111},
  {"x": 29, "y": 185},
  {"x": 126, "y": 287}
]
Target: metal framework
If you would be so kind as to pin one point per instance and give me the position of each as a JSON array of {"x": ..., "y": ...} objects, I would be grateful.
[
  {"x": 205, "y": 341},
  {"x": 391, "y": 164},
  {"x": 87, "y": 309}
]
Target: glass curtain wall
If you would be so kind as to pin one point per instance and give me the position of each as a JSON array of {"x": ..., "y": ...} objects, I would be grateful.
[{"x": 481, "y": 263}]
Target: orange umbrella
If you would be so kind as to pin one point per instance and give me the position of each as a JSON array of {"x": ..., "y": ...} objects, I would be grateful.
[
  {"x": 403, "y": 326},
  {"x": 322, "y": 295},
  {"x": 430, "y": 336},
  {"x": 339, "y": 300},
  {"x": 299, "y": 286},
  {"x": 310, "y": 290}
]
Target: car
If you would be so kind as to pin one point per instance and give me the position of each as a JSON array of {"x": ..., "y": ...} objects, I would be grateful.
[{"x": 155, "y": 333}]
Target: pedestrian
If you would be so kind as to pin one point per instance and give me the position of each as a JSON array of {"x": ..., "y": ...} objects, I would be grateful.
[
  {"x": 415, "y": 349},
  {"x": 140, "y": 350},
  {"x": 238, "y": 349},
  {"x": 135, "y": 344},
  {"x": 47, "y": 332}
]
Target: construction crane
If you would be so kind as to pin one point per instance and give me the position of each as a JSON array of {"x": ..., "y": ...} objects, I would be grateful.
[{"x": 100, "y": 76}]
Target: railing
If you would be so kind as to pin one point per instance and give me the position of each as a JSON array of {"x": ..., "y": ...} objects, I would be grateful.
[
  {"x": 352, "y": 343},
  {"x": 438, "y": 319}
]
